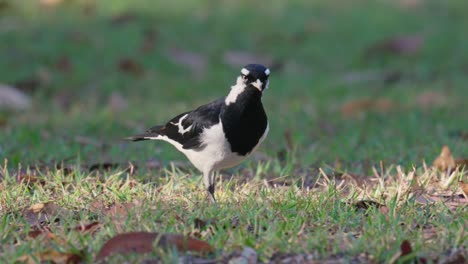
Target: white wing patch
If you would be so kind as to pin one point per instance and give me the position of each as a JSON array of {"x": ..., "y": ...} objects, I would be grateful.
[
  {"x": 235, "y": 91},
  {"x": 182, "y": 130}
]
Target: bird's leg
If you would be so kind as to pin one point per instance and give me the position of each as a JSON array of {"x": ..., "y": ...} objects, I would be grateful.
[{"x": 208, "y": 179}]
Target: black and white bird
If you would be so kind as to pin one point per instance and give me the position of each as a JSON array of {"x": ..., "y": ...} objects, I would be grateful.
[{"x": 223, "y": 133}]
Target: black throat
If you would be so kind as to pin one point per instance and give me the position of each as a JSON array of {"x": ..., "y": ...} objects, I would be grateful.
[{"x": 244, "y": 121}]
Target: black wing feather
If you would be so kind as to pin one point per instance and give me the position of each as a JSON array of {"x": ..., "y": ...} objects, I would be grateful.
[{"x": 203, "y": 117}]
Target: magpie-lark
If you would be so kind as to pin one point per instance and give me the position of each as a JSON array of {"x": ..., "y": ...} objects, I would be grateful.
[{"x": 223, "y": 133}]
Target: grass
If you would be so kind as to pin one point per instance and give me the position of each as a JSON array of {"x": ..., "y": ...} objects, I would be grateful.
[{"x": 316, "y": 46}]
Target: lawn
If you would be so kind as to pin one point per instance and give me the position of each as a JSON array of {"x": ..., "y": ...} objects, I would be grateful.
[{"x": 363, "y": 96}]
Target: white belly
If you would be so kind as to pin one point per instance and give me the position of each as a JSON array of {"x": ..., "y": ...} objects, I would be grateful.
[{"x": 216, "y": 153}]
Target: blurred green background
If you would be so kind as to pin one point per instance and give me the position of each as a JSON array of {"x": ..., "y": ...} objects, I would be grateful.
[{"x": 356, "y": 81}]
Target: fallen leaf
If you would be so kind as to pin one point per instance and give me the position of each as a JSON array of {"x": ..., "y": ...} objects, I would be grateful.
[
  {"x": 360, "y": 106},
  {"x": 119, "y": 210},
  {"x": 44, "y": 231},
  {"x": 130, "y": 66},
  {"x": 406, "y": 45},
  {"x": 404, "y": 255},
  {"x": 405, "y": 248},
  {"x": 13, "y": 99},
  {"x": 464, "y": 188},
  {"x": 53, "y": 256},
  {"x": 89, "y": 228},
  {"x": 40, "y": 213},
  {"x": 142, "y": 242},
  {"x": 445, "y": 160}
]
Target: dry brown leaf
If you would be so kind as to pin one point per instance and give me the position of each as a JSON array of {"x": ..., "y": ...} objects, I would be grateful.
[
  {"x": 406, "y": 45},
  {"x": 52, "y": 256},
  {"x": 406, "y": 250},
  {"x": 360, "y": 106},
  {"x": 40, "y": 213},
  {"x": 89, "y": 228},
  {"x": 130, "y": 66},
  {"x": 464, "y": 188},
  {"x": 119, "y": 211},
  {"x": 142, "y": 242},
  {"x": 445, "y": 160},
  {"x": 44, "y": 231}
]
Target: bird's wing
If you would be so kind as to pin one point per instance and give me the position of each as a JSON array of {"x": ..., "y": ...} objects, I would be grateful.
[{"x": 187, "y": 127}]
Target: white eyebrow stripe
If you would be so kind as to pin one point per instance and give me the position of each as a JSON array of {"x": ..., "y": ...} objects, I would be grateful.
[
  {"x": 267, "y": 71},
  {"x": 245, "y": 71}
]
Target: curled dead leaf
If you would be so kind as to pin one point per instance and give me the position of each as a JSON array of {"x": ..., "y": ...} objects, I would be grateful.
[
  {"x": 445, "y": 160},
  {"x": 142, "y": 242}
]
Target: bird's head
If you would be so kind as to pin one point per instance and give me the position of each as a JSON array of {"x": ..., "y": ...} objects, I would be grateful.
[{"x": 255, "y": 75}]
